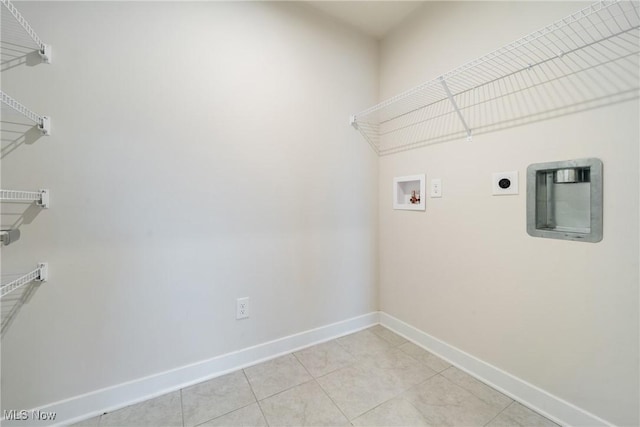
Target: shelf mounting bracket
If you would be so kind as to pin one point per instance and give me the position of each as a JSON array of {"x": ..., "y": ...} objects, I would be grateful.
[
  {"x": 40, "y": 274},
  {"x": 40, "y": 197},
  {"x": 44, "y": 199},
  {"x": 455, "y": 107},
  {"x": 353, "y": 122},
  {"x": 45, "y": 126},
  {"x": 43, "y": 272},
  {"x": 45, "y": 53}
]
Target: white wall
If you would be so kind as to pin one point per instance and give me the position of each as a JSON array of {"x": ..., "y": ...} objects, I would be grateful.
[
  {"x": 200, "y": 152},
  {"x": 561, "y": 315}
]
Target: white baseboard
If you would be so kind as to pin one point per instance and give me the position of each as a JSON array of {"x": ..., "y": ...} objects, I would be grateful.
[
  {"x": 112, "y": 398},
  {"x": 92, "y": 404},
  {"x": 552, "y": 407}
]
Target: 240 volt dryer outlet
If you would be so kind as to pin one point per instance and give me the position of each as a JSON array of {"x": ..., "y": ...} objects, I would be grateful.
[{"x": 504, "y": 183}]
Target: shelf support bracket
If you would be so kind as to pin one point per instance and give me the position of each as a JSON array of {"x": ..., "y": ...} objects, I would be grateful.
[
  {"x": 45, "y": 126},
  {"x": 455, "y": 107},
  {"x": 43, "y": 272},
  {"x": 45, "y": 53},
  {"x": 353, "y": 122},
  {"x": 43, "y": 122},
  {"x": 40, "y": 197},
  {"x": 44, "y": 199},
  {"x": 40, "y": 274}
]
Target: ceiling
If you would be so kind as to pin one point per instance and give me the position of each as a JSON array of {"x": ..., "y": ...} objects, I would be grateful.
[{"x": 374, "y": 18}]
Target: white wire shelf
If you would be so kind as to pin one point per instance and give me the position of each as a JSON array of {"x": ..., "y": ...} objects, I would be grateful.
[
  {"x": 18, "y": 37},
  {"x": 40, "y": 274},
  {"x": 43, "y": 122},
  {"x": 587, "y": 60},
  {"x": 40, "y": 197}
]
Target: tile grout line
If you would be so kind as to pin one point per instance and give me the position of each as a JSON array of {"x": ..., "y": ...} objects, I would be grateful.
[
  {"x": 416, "y": 386},
  {"x": 255, "y": 397},
  {"x": 512, "y": 401},
  {"x": 181, "y": 407},
  {"x": 423, "y": 363},
  {"x": 386, "y": 340},
  {"x": 233, "y": 410},
  {"x": 351, "y": 363},
  {"x": 476, "y": 396},
  {"x": 428, "y": 419},
  {"x": 321, "y": 388},
  {"x": 461, "y": 386},
  {"x": 225, "y": 414},
  {"x": 398, "y": 396},
  {"x": 489, "y": 422},
  {"x": 414, "y": 406},
  {"x": 471, "y": 391},
  {"x": 283, "y": 390},
  {"x": 390, "y": 347},
  {"x": 420, "y": 362}
]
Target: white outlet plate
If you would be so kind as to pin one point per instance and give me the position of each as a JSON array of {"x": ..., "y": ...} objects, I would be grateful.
[
  {"x": 504, "y": 183},
  {"x": 436, "y": 187},
  {"x": 242, "y": 308}
]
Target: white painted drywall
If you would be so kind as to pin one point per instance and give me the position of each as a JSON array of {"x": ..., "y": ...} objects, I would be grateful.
[
  {"x": 561, "y": 315},
  {"x": 201, "y": 152}
]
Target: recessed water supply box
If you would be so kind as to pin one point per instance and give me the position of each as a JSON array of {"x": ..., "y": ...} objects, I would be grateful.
[
  {"x": 409, "y": 192},
  {"x": 564, "y": 200}
]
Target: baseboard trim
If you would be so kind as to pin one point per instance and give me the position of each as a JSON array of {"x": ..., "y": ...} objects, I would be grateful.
[
  {"x": 554, "y": 408},
  {"x": 112, "y": 398},
  {"x": 108, "y": 399}
]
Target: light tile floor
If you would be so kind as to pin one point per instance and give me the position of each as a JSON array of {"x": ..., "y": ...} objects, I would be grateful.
[{"x": 371, "y": 378}]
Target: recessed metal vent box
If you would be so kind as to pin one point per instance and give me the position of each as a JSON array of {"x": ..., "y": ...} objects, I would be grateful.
[{"x": 564, "y": 200}]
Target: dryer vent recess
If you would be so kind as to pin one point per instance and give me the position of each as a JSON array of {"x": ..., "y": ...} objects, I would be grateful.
[{"x": 564, "y": 200}]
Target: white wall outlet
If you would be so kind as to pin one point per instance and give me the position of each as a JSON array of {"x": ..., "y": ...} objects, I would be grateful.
[
  {"x": 504, "y": 183},
  {"x": 436, "y": 187},
  {"x": 242, "y": 308}
]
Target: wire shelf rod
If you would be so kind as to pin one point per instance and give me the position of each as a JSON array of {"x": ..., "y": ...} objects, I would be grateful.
[
  {"x": 530, "y": 66},
  {"x": 39, "y": 274},
  {"x": 43, "y": 48},
  {"x": 581, "y": 62},
  {"x": 500, "y": 77},
  {"x": 576, "y": 17},
  {"x": 508, "y": 92},
  {"x": 503, "y": 53},
  {"x": 41, "y": 197},
  {"x": 43, "y": 122}
]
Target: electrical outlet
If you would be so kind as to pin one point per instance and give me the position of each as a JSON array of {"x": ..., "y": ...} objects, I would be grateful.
[
  {"x": 504, "y": 183},
  {"x": 242, "y": 308},
  {"x": 436, "y": 187}
]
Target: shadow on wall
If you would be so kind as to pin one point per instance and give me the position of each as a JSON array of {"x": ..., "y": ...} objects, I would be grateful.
[
  {"x": 15, "y": 133},
  {"x": 13, "y": 302},
  {"x": 14, "y": 55},
  {"x": 14, "y": 214},
  {"x": 17, "y": 46}
]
